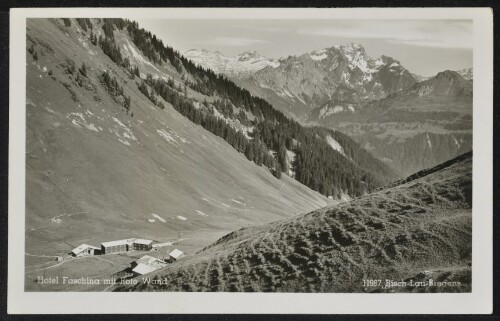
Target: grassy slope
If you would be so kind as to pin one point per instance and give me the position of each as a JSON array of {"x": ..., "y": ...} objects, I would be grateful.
[
  {"x": 84, "y": 166},
  {"x": 419, "y": 229}
]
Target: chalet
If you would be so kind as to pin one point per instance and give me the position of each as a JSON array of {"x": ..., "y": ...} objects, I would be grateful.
[
  {"x": 176, "y": 255},
  {"x": 146, "y": 264},
  {"x": 142, "y": 245},
  {"x": 126, "y": 245},
  {"x": 84, "y": 250},
  {"x": 116, "y": 246}
]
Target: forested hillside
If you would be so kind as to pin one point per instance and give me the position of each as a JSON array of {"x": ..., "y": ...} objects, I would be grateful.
[
  {"x": 408, "y": 121},
  {"x": 248, "y": 123},
  {"x": 104, "y": 163}
]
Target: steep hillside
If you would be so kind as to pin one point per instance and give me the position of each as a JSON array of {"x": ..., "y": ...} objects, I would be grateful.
[
  {"x": 415, "y": 231},
  {"x": 103, "y": 162},
  {"x": 253, "y": 126},
  {"x": 127, "y": 138}
]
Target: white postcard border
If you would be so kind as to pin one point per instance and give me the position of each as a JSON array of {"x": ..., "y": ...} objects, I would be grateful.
[{"x": 480, "y": 301}]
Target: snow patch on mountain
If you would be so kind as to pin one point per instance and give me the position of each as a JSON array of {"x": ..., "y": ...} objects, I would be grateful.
[
  {"x": 328, "y": 110},
  {"x": 467, "y": 73},
  {"x": 242, "y": 65},
  {"x": 319, "y": 55},
  {"x": 335, "y": 145},
  {"x": 132, "y": 53},
  {"x": 357, "y": 58},
  {"x": 158, "y": 217},
  {"x": 123, "y": 132},
  {"x": 79, "y": 120},
  {"x": 429, "y": 142},
  {"x": 290, "y": 159},
  {"x": 167, "y": 136}
]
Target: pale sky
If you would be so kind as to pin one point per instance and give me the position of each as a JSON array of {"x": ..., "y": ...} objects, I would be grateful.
[{"x": 424, "y": 47}]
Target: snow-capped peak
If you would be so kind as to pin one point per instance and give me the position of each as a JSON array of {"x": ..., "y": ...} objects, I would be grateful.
[
  {"x": 312, "y": 78},
  {"x": 467, "y": 73},
  {"x": 350, "y": 48},
  {"x": 240, "y": 66},
  {"x": 249, "y": 55}
]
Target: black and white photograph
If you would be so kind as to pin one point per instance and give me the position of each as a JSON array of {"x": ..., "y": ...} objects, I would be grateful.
[{"x": 272, "y": 154}]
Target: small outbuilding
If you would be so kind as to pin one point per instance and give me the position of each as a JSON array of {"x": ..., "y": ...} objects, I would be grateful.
[
  {"x": 176, "y": 255},
  {"x": 84, "y": 250},
  {"x": 147, "y": 264},
  {"x": 143, "y": 260}
]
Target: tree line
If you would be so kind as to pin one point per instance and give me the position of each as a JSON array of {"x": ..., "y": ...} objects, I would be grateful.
[{"x": 316, "y": 164}]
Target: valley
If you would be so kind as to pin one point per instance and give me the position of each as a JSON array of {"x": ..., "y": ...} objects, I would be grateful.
[
  {"x": 395, "y": 114},
  {"x": 282, "y": 177},
  {"x": 96, "y": 172}
]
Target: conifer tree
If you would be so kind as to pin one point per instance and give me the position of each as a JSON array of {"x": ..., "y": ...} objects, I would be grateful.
[{"x": 83, "y": 70}]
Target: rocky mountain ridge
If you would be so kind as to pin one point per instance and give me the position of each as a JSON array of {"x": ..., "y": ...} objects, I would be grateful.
[
  {"x": 240, "y": 66},
  {"x": 296, "y": 84}
]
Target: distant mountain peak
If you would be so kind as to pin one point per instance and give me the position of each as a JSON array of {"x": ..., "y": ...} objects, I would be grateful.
[
  {"x": 350, "y": 47},
  {"x": 239, "y": 66},
  {"x": 251, "y": 53},
  {"x": 466, "y": 73},
  {"x": 311, "y": 79},
  {"x": 387, "y": 60},
  {"x": 449, "y": 76}
]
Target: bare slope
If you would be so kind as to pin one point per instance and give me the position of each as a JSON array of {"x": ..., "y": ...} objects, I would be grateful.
[
  {"x": 95, "y": 173},
  {"x": 418, "y": 230}
]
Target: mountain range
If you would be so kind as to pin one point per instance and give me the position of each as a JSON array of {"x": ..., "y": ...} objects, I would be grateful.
[
  {"x": 378, "y": 102},
  {"x": 127, "y": 138},
  {"x": 297, "y": 83}
]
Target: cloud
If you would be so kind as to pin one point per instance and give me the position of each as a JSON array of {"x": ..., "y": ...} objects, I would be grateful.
[
  {"x": 427, "y": 33},
  {"x": 234, "y": 41}
]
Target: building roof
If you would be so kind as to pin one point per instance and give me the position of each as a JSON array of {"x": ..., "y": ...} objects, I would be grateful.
[
  {"x": 116, "y": 243},
  {"x": 147, "y": 264},
  {"x": 143, "y": 241},
  {"x": 82, "y": 248},
  {"x": 146, "y": 259},
  {"x": 144, "y": 268},
  {"x": 176, "y": 253}
]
